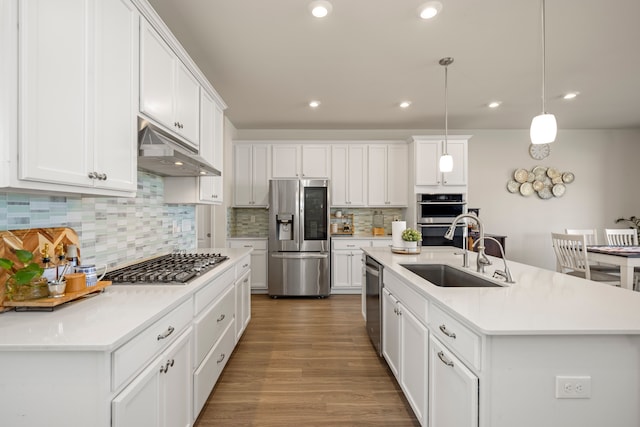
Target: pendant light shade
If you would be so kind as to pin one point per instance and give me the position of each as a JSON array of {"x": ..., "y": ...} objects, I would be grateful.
[
  {"x": 446, "y": 160},
  {"x": 543, "y": 127}
]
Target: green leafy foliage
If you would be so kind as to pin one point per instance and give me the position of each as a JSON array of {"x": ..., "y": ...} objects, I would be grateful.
[
  {"x": 26, "y": 274},
  {"x": 411, "y": 235}
]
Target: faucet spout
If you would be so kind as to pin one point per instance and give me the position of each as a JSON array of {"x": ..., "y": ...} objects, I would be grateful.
[{"x": 482, "y": 259}]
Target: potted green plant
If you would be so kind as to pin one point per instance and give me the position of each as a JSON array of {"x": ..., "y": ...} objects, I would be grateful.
[
  {"x": 24, "y": 283},
  {"x": 411, "y": 237}
]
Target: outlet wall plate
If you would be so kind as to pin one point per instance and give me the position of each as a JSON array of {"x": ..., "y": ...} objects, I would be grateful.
[{"x": 573, "y": 387}]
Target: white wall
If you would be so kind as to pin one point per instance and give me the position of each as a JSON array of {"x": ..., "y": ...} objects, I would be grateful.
[{"x": 604, "y": 162}]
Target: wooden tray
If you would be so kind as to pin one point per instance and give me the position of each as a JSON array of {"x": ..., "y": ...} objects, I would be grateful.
[
  {"x": 406, "y": 251},
  {"x": 49, "y": 303}
]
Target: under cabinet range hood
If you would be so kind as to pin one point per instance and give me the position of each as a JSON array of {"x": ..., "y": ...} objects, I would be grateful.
[{"x": 162, "y": 154}]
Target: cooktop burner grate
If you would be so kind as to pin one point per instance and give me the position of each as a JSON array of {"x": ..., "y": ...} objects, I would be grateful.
[{"x": 172, "y": 269}]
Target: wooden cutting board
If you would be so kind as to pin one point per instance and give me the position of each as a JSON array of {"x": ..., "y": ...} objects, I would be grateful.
[{"x": 50, "y": 303}]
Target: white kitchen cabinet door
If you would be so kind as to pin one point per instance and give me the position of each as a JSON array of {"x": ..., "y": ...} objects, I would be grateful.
[
  {"x": 187, "y": 99},
  {"x": 316, "y": 160},
  {"x": 285, "y": 161},
  {"x": 243, "y": 303},
  {"x": 161, "y": 395},
  {"x": 397, "y": 175},
  {"x": 258, "y": 260},
  {"x": 157, "y": 76},
  {"x": 388, "y": 175},
  {"x": 355, "y": 272},
  {"x": 78, "y": 78},
  {"x": 427, "y": 158},
  {"x": 340, "y": 269},
  {"x": 453, "y": 389},
  {"x": 348, "y": 175},
  {"x": 251, "y": 174},
  {"x": 391, "y": 332},
  {"x": 169, "y": 93},
  {"x": 414, "y": 345},
  {"x": 117, "y": 59}
]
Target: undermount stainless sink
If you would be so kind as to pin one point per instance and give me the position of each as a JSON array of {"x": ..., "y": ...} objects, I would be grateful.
[{"x": 448, "y": 277}]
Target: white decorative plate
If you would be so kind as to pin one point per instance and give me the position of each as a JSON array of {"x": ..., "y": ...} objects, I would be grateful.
[
  {"x": 526, "y": 189},
  {"x": 513, "y": 186},
  {"x": 521, "y": 175},
  {"x": 545, "y": 193},
  {"x": 558, "y": 190},
  {"x": 538, "y": 185},
  {"x": 568, "y": 177},
  {"x": 552, "y": 172}
]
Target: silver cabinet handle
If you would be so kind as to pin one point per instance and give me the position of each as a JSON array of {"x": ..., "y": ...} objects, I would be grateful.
[
  {"x": 221, "y": 318},
  {"x": 165, "y": 368},
  {"x": 245, "y": 280},
  {"x": 444, "y": 330},
  {"x": 245, "y": 265},
  {"x": 247, "y": 246},
  {"x": 444, "y": 359},
  {"x": 102, "y": 176},
  {"x": 92, "y": 175},
  {"x": 166, "y": 333},
  {"x": 221, "y": 358}
]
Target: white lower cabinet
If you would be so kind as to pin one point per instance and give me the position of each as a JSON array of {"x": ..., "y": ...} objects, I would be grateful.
[
  {"x": 258, "y": 261},
  {"x": 243, "y": 303},
  {"x": 346, "y": 265},
  {"x": 161, "y": 395},
  {"x": 453, "y": 389},
  {"x": 404, "y": 346}
]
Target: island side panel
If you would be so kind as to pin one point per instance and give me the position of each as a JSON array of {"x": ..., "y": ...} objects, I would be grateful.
[{"x": 522, "y": 384}]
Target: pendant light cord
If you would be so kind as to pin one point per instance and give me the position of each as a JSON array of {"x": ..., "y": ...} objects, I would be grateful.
[
  {"x": 544, "y": 61},
  {"x": 446, "y": 110}
]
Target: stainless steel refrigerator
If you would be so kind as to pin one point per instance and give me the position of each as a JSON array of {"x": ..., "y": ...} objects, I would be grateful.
[{"x": 299, "y": 237}]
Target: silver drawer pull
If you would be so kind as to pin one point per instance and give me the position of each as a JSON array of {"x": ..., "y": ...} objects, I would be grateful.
[
  {"x": 444, "y": 359},
  {"x": 444, "y": 330},
  {"x": 221, "y": 318},
  {"x": 166, "y": 333},
  {"x": 221, "y": 358},
  {"x": 245, "y": 265},
  {"x": 247, "y": 246}
]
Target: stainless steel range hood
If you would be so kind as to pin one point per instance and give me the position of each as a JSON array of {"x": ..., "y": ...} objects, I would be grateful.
[{"x": 164, "y": 155}]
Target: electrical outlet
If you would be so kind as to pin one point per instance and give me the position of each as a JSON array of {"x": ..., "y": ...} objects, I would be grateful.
[
  {"x": 175, "y": 227},
  {"x": 396, "y": 218},
  {"x": 578, "y": 387},
  {"x": 253, "y": 218}
]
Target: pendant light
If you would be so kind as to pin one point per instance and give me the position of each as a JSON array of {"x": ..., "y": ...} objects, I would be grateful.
[
  {"x": 446, "y": 161},
  {"x": 543, "y": 127}
]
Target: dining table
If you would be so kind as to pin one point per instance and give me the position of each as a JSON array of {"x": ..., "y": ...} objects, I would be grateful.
[{"x": 625, "y": 257}]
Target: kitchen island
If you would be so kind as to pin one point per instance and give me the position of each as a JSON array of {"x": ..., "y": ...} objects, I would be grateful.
[
  {"x": 132, "y": 355},
  {"x": 548, "y": 350}
]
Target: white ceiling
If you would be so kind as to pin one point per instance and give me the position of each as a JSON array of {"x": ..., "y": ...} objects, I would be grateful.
[{"x": 269, "y": 58}]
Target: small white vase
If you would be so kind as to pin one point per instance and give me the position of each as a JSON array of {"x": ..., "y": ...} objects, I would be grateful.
[{"x": 410, "y": 245}]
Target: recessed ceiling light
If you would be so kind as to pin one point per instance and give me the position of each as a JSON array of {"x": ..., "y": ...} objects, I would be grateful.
[
  {"x": 494, "y": 104},
  {"x": 320, "y": 8},
  {"x": 314, "y": 104},
  {"x": 570, "y": 95},
  {"x": 178, "y": 163},
  {"x": 203, "y": 172},
  {"x": 430, "y": 9},
  {"x": 405, "y": 104}
]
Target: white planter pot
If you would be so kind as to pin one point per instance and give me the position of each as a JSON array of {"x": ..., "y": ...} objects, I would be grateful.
[{"x": 410, "y": 245}]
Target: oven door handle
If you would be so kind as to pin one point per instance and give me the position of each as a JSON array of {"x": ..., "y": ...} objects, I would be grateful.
[
  {"x": 372, "y": 271},
  {"x": 443, "y": 203},
  {"x": 440, "y": 225}
]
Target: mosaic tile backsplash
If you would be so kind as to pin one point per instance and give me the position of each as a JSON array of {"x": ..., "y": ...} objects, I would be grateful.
[
  {"x": 253, "y": 222},
  {"x": 112, "y": 230}
]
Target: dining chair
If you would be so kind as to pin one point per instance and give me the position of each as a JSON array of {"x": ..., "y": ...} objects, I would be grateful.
[
  {"x": 591, "y": 235},
  {"x": 621, "y": 236},
  {"x": 571, "y": 258}
]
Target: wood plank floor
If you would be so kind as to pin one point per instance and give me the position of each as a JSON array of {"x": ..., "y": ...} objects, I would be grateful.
[{"x": 306, "y": 362}]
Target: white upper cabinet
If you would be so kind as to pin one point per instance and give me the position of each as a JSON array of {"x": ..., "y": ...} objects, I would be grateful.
[
  {"x": 251, "y": 174},
  {"x": 77, "y": 94},
  {"x": 300, "y": 161},
  {"x": 169, "y": 93},
  {"x": 348, "y": 175},
  {"x": 388, "y": 175},
  {"x": 427, "y": 152},
  {"x": 205, "y": 189}
]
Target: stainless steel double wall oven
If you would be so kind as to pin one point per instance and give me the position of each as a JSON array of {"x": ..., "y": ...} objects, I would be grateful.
[
  {"x": 299, "y": 237},
  {"x": 436, "y": 212}
]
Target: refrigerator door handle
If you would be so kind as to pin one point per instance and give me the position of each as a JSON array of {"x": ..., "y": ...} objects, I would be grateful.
[{"x": 300, "y": 255}]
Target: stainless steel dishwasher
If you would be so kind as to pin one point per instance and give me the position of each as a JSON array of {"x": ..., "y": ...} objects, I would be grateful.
[{"x": 373, "y": 277}]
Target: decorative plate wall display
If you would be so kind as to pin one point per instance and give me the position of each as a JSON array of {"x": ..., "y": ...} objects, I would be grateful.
[{"x": 546, "y": 182}]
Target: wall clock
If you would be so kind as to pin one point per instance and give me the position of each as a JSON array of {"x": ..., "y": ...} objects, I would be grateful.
[{"x": 539, "y": 151}]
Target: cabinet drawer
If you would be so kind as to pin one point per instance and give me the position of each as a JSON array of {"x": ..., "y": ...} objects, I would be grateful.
[
  {"x": 381, "y": 243},
  {"x": 210, "y": 292},
  {"x": 349, "y": 244},
  {"x": 457, "y": 337},
  {"x": 255, "y": 244},
  {"x": 243, "y": 266},
  {"x": 134, "y": 355},
  {"x": 206, "y": 376},
  {"x": 415, "y": 302},
  {"x": 210, "y": 326}
]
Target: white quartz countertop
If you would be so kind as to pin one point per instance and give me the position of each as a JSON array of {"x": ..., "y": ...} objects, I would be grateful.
[
  {"x": 540, "y": 302},
  {"x": 106, "y": 320},
  {"x": 363, "y": 236}
]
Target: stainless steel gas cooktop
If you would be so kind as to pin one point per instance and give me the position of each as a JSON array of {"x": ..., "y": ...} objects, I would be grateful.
[{"x": 171, "y": 269}]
